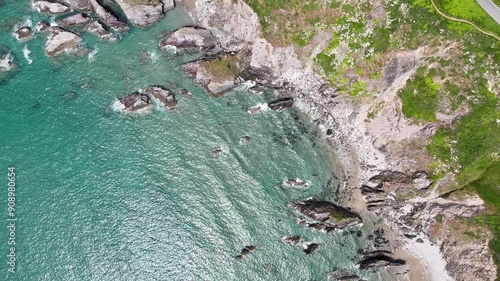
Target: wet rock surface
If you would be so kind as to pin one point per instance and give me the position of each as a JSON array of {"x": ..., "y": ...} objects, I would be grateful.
[
  {"x": 292, "y": 240},
  {"x": 310, "y": 248},
  {"x": 343, "y": 275},
  {"x": 377, "y": 259},
  {"x": 326, "y": 215},
  {"x": 6, "y": 59},
  {"x": 281, "y": 104},
  {"x": 295, "y": 183},
  {"x": 135, "y": 102},
  {"x": 191, "y": 40},
  {"x": 98, "y": 29},
  {"x": 42, "y": 26},
  {"x": 23, "y": 33},
  {"x": 163, "y": 96}
]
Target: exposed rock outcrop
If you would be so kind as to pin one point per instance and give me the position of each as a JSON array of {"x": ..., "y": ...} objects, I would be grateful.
[
  {"x": 61, "y": 41},
  {"x": 51, "y": 8},
  {"x": 134, "y": 103},
  {"x": 98, "y": 29},
  {"x": 295, "y": 183},
  {"x": 163, "y": 96},
  {"x": 23, "y": 33},
  {"x": 377, "y": 259},
  {"x": 75, "y": 20},
  {"x": 42, "y": 26},
  {"x": 327, "y": 213},
  {"x": 281, "y": 104},
  {"x": 145, "y": 14},
  {"x": 82, "y": 5},
  {"x": 190, "y": 40},
  {"x": 108, "y": 18},
  {"x": 309, "y": 248}
]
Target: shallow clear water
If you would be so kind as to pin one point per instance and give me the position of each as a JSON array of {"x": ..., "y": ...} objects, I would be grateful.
[{"x": 102, "y": 196}]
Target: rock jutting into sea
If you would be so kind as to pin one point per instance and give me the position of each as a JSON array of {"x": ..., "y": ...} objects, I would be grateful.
[
  {"x": 134, "y": 103},
  {"x": 75, "y": 20},
  {"x": 281, "y": 104},
  {"x": 190, "y": 40},
  {"x": 326, "y": 214},
  {"x": 163, "y": 96},
  {"x": 23, "y": 33},
  {"x": 108, "y": 18},
  {"x": 245, "y": 251}
]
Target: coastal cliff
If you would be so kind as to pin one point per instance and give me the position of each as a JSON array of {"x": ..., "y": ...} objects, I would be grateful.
[{"x": 385, "y": 167}]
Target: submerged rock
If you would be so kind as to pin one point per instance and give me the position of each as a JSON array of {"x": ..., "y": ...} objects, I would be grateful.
[
  {"x": 295, "y": 183},
  {"x": 163, "y": 96},
  {"x": 108, "y": 18},
  {"x": 51, "y": 8},
  {"x": 191, "y": 39},
  {"x": 23, "y": 33},
  {"x": 245, "y": 251},
  {"x": 135, "y": 102},
  {"x": 145, "y": 14},
  {"x": 281, "y": 104},
  {"x": 257, "y": 108},
  {"x": 61, "y": 41},
  {"x": 326, "y": 214},
  {"x": 75, "y": 20},
  {"x": 377, "y": 259},
  {"x": 244, "y": 139}
]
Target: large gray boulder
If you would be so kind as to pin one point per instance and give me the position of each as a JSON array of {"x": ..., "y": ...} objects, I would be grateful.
[
  {"x": 191, "y": 39},
  {"x": 60, "y": 41},
  {"x": 145, "y": 13},
  {"x": 51, "y": 8}
]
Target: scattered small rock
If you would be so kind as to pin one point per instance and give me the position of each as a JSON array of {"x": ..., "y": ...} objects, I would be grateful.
[
  {"x": 245, "y": 251},
  {"x": 310, "y": 248},
  {"x": 281, "y": 104}
]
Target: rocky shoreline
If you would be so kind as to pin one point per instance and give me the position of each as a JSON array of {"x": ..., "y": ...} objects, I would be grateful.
[{"x": 374, "y": 158}]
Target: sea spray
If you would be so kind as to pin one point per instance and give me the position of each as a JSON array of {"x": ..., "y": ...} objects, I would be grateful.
[
  {"x": 26, "y": 54},
  {"x": 91, "y": 55}
]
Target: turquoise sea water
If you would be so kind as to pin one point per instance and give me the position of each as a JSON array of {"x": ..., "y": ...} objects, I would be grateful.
[{"x": 102, "y": 196}]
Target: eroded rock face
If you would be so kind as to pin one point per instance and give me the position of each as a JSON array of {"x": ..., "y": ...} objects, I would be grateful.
[
  {"x": 98, "y": 29},
  {"x": 144, "y": 15},
  {"x": 163, "y": 96},
  {"x": 190, "y": 40},
  {"x": 377, "y": 259},
  {"x": 61, "y": 41},
  {"x": 108, "y": 18},
  {"x": 75, "y": 20},
  {"x": 82, "y": 5},
  {"x": 281, "y": 104},
  {"x": 23, "y": 33},
  {"x": 51, "y": 8},
  {"x": 135, "y": 102},
  {"x": 326, "y": 213}
]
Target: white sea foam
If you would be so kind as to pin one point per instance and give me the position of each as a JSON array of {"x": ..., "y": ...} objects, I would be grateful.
[
  {"x": 153, "y": 55},
  {"x": 92, "y": 54},
  {"x": 26, "y": 53},
  {"x": 258, "y": 108}
]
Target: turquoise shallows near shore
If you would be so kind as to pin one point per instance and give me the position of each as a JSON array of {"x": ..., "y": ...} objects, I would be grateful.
[{"x": 103, "y": 196}]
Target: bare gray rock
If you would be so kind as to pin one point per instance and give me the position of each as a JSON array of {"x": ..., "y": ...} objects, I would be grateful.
[
  {"x": 82, "y": 5},
  {"x": 61, "y": 41},
  {"x": 191, "y": 39},
  {"x": 51, "y": 8},
  {"x": 98, "y": 29},
  {"x": 42, "y": 26},
  {"x": 143, "y": 15},
  {"x": 134, "y": 103},
  {"x": 163, "y": 96},
  {"x": 75, "y": 20}
]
